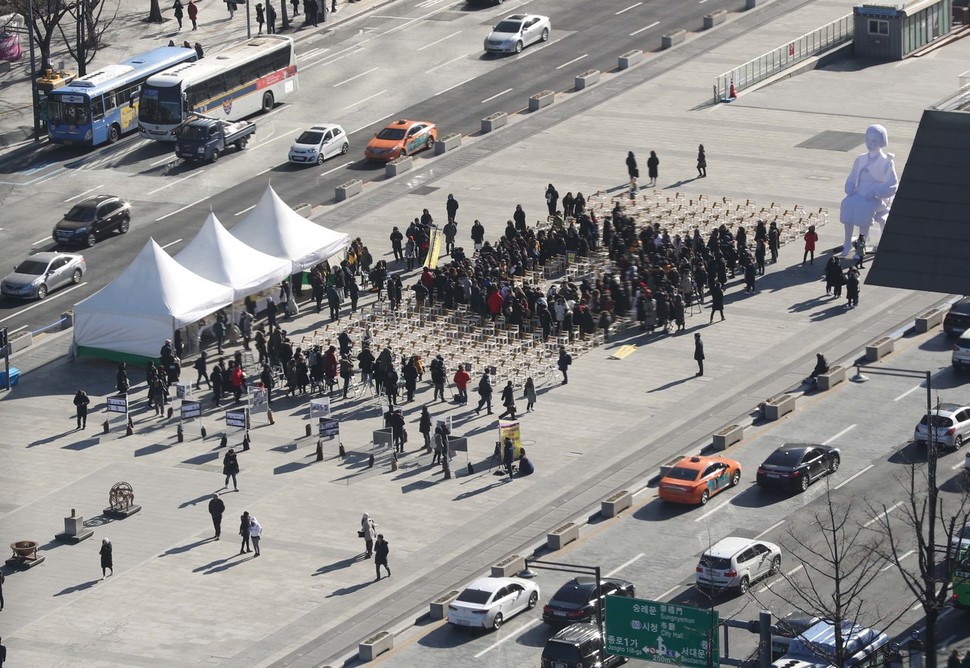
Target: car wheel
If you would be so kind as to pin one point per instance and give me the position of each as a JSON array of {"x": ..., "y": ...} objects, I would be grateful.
[
  {"x": 497, "y": 622},
  {"x": 125, "y": 223},
  {"x": 705, "y": 495},
  {"x": 242, "y": 143},
  {"x": 320, "y": 158},
  {"x": 533, "y": 599},
  {"x": 518, "y": 47},
  {"x": 743, "y": 586},
  {"x": 957, "y": 442},
  {"x": 545, "y": 35},
  {"x": 76, "y": 277},
  {"x": 344, "y": 148},
  {"x": 775, "y": 566},
  {"x": 834, "y": 465},
  {"x": 803, "y": 482},
  {"x": 114, "y": 133},
  {"x": 41, "y": 291},
  {"x": 268, "y": 101},
  {"x": 215, "y": 155},
  {"x": 736, "y": 478},
  {"x": 91, "y": 240}
]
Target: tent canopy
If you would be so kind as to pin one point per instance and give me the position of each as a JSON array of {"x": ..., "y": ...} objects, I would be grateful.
[
  {"x": 145, "y": 304},
  {"x": 276, "y": 229},
  {"x": 222, "y": 258}
]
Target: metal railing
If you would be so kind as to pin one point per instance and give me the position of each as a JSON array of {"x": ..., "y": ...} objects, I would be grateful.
[{"x": 834, "y": 34}]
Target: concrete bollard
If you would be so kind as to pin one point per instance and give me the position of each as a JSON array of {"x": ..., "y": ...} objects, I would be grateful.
[
  {"x": 319, "y": 449},
  {"x": 341, "y": 451},
  {"x": 224, "y": 441},
  {"x": 348, "y": 190},
  {"x": 628, "y": 60},
  {"x": 370, "y": 462},
  {"x": 398, "y": 166},
  {"x": 586, "y": 79},
  {"x": 105, "y": 427},
  {"x": 246, "y": 442},
  {"x": 494, "y": 121},
  {"x": 180, "y": 435},
  {"x": 309, "y": 429},
  {"x": 672, "y": 38},
  {"x": 203, "y": 432},
  {"x": 542, "y": 99}
]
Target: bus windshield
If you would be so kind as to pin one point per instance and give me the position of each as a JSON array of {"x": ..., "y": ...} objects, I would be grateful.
[
  {"x": 161, "y": 105},
  {"x": 72, "y": 113}
]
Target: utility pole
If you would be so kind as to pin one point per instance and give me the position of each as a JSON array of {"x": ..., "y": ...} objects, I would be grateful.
[{"x": 33, "y": 74}]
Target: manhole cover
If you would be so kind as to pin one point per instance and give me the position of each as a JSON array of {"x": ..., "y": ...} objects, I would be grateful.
[{"x": 833, "y": 140}]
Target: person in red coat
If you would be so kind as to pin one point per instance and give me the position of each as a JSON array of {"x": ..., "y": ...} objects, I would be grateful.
[
  {"x": 193, "y": 11},
  {"x": 461, "y": 379},
  {"x": 811, "y": 238}
]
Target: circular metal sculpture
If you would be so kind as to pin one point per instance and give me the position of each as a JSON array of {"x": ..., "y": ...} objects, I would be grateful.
[
  {"x": 24, "y": 549},
  {"x": 121, "y": 496}
]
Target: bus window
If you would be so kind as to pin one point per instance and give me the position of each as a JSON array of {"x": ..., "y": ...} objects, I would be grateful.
[{"x": 97, "y": 107}]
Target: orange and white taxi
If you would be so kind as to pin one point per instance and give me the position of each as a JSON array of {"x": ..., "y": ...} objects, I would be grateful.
[
  {"x": 697, "y": 478},
  {"x": 402, "y": 137}
]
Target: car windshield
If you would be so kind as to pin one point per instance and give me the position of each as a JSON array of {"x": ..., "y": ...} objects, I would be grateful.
[
  {"x": 573, "y": 595},
  {"x": 474, "y": 596},
  {"x": 508, "y": 26},
  {"x": 562, "y": 652},
  {"x": 682, "y": 473},
  {"x": 938, "y": 421},
  {"x": 194, "y": 132},
  {"x": 32, "y": 267},
  {"x": 80, "y": 213},
  {"x": 391, "y": 133},
  {"x": 784, "y": 458},
  {"x": 716, "y": 563},
  {"x": 310, "y": 137}
]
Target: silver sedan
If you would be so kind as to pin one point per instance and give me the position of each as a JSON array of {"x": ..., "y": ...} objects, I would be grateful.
[{"x": 42, "y": 273}]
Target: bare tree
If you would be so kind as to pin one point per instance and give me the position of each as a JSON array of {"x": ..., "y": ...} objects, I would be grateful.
[
  {"x": 47, "y": 16},
  {"x": 89, "y": 26},
  {"x": 155, "y": 13}
]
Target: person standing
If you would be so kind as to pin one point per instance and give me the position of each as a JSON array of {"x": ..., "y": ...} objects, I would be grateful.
[
  {"x": 2, "y": 579},
  {"x": 699, "y": 353},
  {"x": 811, "y": 238},
  {"x": 424, "y": 426},
  {"x": 774, "y": 241},
  {"x": 230, "y": 468},
  {"x": 552, "y": 200},
  {"x": 717, "y": 300},
  {"x": 368, "y": 530},
  {"x": 260, "y": 17},
  {"x": 508, "y": 456},
  {"x": 530, "y": 394},
  {"x": 81, "y": 402},
  {"x": 270, "y": 19},
  {"x": 508, "y": 400},
  {"x": 565, "y": 360},
  {"x": 632, "y": 170},
  {"x": 450, "y": 231},
  {"x": 296, "y": 7},
  {"x": 178, "y": 12},
  {"x": 451, "y": 206},
  {"x": 311, "y": 11},
  {"x": 216, "y": 509},
  {"x": 438, "y": 377},
  {"x": 3, "y": 653},
  {"x": 245, "y": 525},
  {"x": 381, "y": 549},
  {"x": 107, "y": 560},
  {"x": 484, "y": 393},
  {"x": 397, "y": 238},
  {"x": 121, "y": 379},
  {"x": 954, "y": 660},
  {"x": 461, "y": 380},
  {"x": 255, "y": 532},
  {"x": 852, "y": 288},
  {"x": 860, "y": 251},
  {"x": 701, "y": 162},
  {"x": 193, "y": 14},
  {"x": 653, "y": 168},
  {"x": 201, "y": 369}
]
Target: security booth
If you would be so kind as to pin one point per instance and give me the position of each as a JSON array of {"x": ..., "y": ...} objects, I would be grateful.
[{"x": 894, "y": 31}]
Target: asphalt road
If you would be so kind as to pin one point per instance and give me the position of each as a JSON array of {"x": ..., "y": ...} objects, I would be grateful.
[
  {"x": 656, "y": 545},
  {"x": 416, "y": 60}
]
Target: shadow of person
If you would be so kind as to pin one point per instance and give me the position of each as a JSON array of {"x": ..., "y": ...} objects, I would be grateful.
[
  {"x": 337, "y": 565},
  {"x": 184, "y": 548},
  {"x": 343, "y": 591},
  {"x": 76, "y": 588},
  {"x": 50, "y": 439}
]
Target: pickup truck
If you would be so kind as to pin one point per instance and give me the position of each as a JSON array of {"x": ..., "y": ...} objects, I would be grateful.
[{"x": 208, "y": 138}]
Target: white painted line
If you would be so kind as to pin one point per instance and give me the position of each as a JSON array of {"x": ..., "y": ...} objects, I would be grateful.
[
  {"x": 907, "y": 392},
  {"x": 711, "y": 512},
  {"x": 84, "y": 193},
  {"x": 703, "y": 1},
  {"x": 40, "y": 241},
  {"x": 169, "y": 185},
  {"x": 44, "y": 301},
  {"x": 840, "y": 434},
  {"x": 574, "y": 60},
  {"x": 453, "y": 60},
  {"x": 460, "y": 83},
  {"x": 901, "y": 557},
  {"x": 917, "y": 606},
  {"x": 355, "y": 77},
  {"x": 769, "y": 585},
  {"x": 958, "y": 465},
  {"x": 264, "y": 171},
  {"x": 171, "y": 243},
  {"x": 637, "y": 32},
  {"x": 393, "y": 18},
  {"x": 331, "y": 171},
  {"x": 167, "y": 158},
  {"x": 268, "y": 141},
  {"x": 508, "y": 637},
  {"x": 187, "y": 206},
  {"x": 248, "y": 208},
  {"x": 627, "y": 9},
  {"x": 489, "y": 99},
  {"x": 365, "y": 99},
  {"x": 623, "y": 565},
  {"x": 883, "y": 514},
  {"x": 795, "y": 570},
  {"x": 640, "y": 491},
  {"x": 770, "y": 529},
  {"x": 426, "y": 46},
  {"x": 414, "y": 20},
  {"x": 668, "y": 592},
  {"x": 851, "y": 478},
  {"x": 371, "y": 123}
]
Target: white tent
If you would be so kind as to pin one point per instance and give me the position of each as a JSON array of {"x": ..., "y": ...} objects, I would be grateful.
[
  {"x": 276, "y": 229},
  {"x": 144, "y": 305},
  {"x": 222, "y": 258}
]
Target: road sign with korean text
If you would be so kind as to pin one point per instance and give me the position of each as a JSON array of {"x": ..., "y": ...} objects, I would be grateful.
[{"x": 661, "y": 632}]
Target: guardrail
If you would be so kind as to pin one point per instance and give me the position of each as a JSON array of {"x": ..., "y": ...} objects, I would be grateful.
[{"x": 807, "y": 46}]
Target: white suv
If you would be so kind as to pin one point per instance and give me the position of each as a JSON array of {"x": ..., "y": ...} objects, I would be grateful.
[{"x": 734, "y": 563}]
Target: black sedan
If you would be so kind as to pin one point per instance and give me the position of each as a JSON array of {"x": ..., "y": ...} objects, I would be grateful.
[
  {"x": 93, "y": 219},
  {"x": 576, "y": 600},
  {"x": 957, "y": 319},
  {"x": 798, "y": 465}
]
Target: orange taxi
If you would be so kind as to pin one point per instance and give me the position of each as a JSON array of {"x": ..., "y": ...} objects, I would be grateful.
[
  {"x": 402, "y": 137},
  {"x": 697, "y": 478}
]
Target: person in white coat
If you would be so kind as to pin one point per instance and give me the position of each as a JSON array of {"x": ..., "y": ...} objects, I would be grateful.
[
  {"x": 255, "y": 532},
  {"x": 368, "y": 531}
]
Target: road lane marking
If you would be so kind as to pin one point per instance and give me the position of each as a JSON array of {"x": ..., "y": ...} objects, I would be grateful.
[
  {"x": 426, "y": 46},
  {"x": 355, "y": 77},
  {"x": 248, "y": 208},
  {"x": 637, "y": 32},
  {"x": 489, "y": 99},
  {"x": 460, "y": 83},
  {"x": 907, "y": 392},
  {"x": 527, "y": 626},
  {"x": 349, "y": 162},
  {"x": 711, "y": 512},
  {"x": 171, "y": 243},
  {"x": 669, "y": 592},
  {"x": 901, "y": 557},
  {"x": 769, "y": 585},
  {"x": 958, "y": 465},
  {"x": 623, "y": 565},
  {"x": 40, "y": 241},
  {"x": 574, "y": 60},
  {"x": 770, "y": 529},
  {"x": 436, "y": 67},
  {"x": 795, "y": 570},
  {"x": 883, "y": 514},
  {"x": 268, "y": 141},
  {"x": 371, "y": 97},
  {"x": 187, "y": 206},
  {"x": 853, "y": 477},
  {"x": 414, "y": 20},
  {"x": 627, "y": 9},
  {"x": 44, "y": 301},
  {"x": 167, "y": 158},
  {"x": 152, "y": 192},
  {"x": 84, "y": 193},
  {"x": 353, "y": 132},
  {"x": 840, "y": 434}
]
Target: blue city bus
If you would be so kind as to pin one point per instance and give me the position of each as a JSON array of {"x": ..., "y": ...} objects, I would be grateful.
[{"x": 102, "y": 106}]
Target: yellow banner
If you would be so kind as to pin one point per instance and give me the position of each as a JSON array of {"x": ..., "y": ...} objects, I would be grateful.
[
  {"x": 510, "y": 430},
  {"x": 434, "y": 248}
]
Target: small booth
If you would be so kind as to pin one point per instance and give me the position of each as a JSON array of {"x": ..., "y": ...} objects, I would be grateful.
[{"x": 894, "y": 31}]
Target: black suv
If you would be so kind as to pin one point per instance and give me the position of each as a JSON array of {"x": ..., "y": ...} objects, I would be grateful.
[
  {"x": 578, "y": 645},
  {"x": 957, "y": 320},
  {"x": 576, "y": 600},
  {"x": 93, "y": 219}
]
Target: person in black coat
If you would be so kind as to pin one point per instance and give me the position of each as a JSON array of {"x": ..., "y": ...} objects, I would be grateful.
[
  {"x": 230, "y": 468},
  {"x": 121, "y": 379},
  {"x": 438, "y": 377},
  {"x": 508, "y": 456},
  {"x": 81, "y": 402},
  {"x": 216, "y": 509},
  {"x": 451, "y": 205},
  {"x": 107, "y": 560},
  {"x": 632, "y": 170},
  {"x": 565, "y": 359},
  {"x": 699, "y": 353},
  {"x": 244, "y": 529},
  {"x": 424, "y": 426},
  {"x": 701, "y": 162},
  {"x": 508, "y": 400},
  {"x": 484, "y": 393},
  {"x": 410, "y": 373},
  {"x": 653, "y": 168},
  {"x": 381, "y": 549},
  {"x": 833, "y": 276},
  {"x": 717, "y": 300}
]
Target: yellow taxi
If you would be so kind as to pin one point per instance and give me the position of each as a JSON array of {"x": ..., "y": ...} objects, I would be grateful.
[
  {"x": 401, "y": 137},
  {"x": 695, "y": 479}
]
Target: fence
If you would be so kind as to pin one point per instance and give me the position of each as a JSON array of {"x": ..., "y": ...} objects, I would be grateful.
[{"x": 785, "y": 56}]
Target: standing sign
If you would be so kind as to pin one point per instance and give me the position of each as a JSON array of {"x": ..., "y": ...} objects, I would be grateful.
[
  {"x": 257, "y": 398},
  {"x": 190, "y": 409},
  {"x": 237, "y": 418},
  {"x": 118, "y": 404},
  {"x": 329, "y": 427},
  {"x": 320, "y": 406},
  {"x": 661, "y": 632},
  {"x": 183, "y": 391},
  {"x": 510, "y": 430}
]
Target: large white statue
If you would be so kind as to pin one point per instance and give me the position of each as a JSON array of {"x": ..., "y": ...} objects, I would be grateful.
[{"x": 870, "y": 188}]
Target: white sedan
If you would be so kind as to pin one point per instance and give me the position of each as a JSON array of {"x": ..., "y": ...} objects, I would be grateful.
[
  {"x": 318, "y": 143},
  {"x": 515, "y": 32},
  {"x": 488, "y": 602}
]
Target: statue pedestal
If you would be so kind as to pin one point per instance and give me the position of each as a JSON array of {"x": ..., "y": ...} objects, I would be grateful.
[
  {"x": 74, "y": 531},
  {"x": 121, "y": 512}
]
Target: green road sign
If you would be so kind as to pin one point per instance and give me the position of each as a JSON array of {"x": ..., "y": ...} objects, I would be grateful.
[{"x": 661, "y": 632}]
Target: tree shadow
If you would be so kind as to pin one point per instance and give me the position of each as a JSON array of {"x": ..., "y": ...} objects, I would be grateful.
[
  {"x": 339, "y": 565},
  {"x": 480, "y": 490},
  {"x": 151, "y": 449},
  {"x": 185, "y": 548},
  {"x": 76, "y": 588}
]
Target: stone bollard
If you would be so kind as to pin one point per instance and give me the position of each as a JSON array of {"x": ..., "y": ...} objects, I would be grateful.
[
  {"x": 246, "y": 442},
  {"x": 269, "y": 416},
  {"x": 309, "y": 429},
  {"x": 105, "y": 426},
  {"x": 179, "y": 435},
  {"x": 223, "y": 441},
  {"x": 171, "y": 412},
  {"x": 203, "y": 432},
  {"x": 319, "y": 449},
  {"x": 394, "y": 462},
  {"x": 370, "y": 462},
  {"x": 129, "y": 428},
  {"x": 341, "y": 451}
]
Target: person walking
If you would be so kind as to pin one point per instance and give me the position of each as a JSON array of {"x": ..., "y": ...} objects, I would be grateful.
[
  {"x": 216, "y": 509},
  {"x": 245, "y": 525},
  {"x": 632, "y": 170},
  {"x": 565, "y": 360},
  {"x": 230, "y": 468},
  {"x": 81, "y": 402},
  {"x": 699, "y": 353},
  {"x": 2, "y": 579},
  {"x": 811, "y": 238},
  {"x": 107, "y": 560},
  {"x": 368, "y": 530},
  {"x": 193, "y": 11},
  {"x": 178, "y": 12},
  {"x": 381, "y": 549},
  {"x": 701, "y": 162},
  {"x": 508, "y": 456},
  {"x": 255, "y": 532},
  {"x": 461, "y": 380},
  {"x": 296, "y": 7},
  {"x": 260, "y": 17},
  {"x": 508, "y": 400},
  {"x": 717, "y": 300},
  {"x": 653, "y": 165},
  {"x": 201, "y": 369},
  {"x": 484, "y": 393},
  {"x": 451, "y": 206},
  {"x": 552, "y": 200},
  {"x": 530, "y": 394}
]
